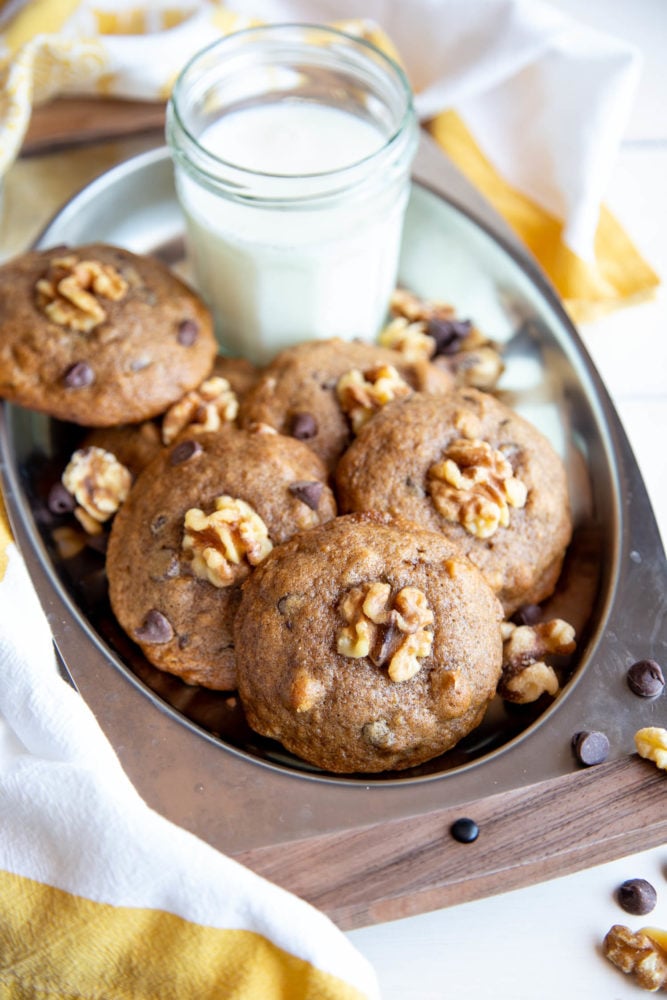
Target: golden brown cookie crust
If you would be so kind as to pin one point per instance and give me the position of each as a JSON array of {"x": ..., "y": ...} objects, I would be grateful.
[
  {"x": 388, "y": 468},
  {"x": 347, "y": 714},
  {"x": 150, "y": 572},
  {"x": 301, "y": 381},
  {"x": 99, "y": 336}
]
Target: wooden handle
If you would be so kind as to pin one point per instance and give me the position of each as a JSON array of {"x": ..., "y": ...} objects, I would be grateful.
[{"x": 409, "y": 866}]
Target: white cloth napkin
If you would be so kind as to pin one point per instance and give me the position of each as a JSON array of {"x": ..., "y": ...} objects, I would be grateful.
[
  {"x": 546, "y": 98},
  {"x": 71, "y": 821}
]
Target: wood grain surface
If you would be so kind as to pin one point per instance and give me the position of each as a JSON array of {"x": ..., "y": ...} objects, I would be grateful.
[
  {"x": 391, "y": 870},
  {"x": 75, "y": 121}
]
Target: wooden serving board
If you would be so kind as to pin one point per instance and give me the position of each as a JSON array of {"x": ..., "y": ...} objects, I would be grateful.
[
  {"x": 408, "y": 866},
  {"x": 74, "y": 121}
]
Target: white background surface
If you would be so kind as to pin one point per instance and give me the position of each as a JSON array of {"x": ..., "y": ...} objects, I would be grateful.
[{"x": 545, "y": 941}]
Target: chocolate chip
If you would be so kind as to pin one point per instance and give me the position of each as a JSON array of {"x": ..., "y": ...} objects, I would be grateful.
[
  {"x": 183, "y": 451},
  {"x": 158, "y": 523},
  {"x": 307, "y": 492},
  {"x": 590, "y": 747},
  {"x": 79, "y": 375},
  {"x": 527, "y": 614},
  {"x": 98, "y": 543},
  {"x": 464, "y": 830},
  {"x": 188, "y": 330},
  {"x": 637, "y": 896},
  {"x": 155, "y": 628},
  {"x": 645, "y": 678},
  {"x": 303, "y": 426},
  {"x": 60, "y": 500},
  {"x": 448, "y": 334}
]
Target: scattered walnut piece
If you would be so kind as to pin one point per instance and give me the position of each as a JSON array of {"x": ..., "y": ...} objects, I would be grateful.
[
  {"x": 70, "y": 290},
  {"x": 651, "y": 743},
  {"x": 409, "y": 338},
  {"x": 224, "y": 544},
  {"x": 525, "y": 675},
  {"x": 99, "y": 483},
  {"x": 422, "y": 329},
  {"x": 637, "y": 954},
  {"x": 203, "y": 409},
  {"x": 474, "y": 484},
  {"x": 393, "y": 632},
  {"x": 362, "y": 394}
]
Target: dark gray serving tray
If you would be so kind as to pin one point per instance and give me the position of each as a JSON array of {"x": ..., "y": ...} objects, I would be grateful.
[{"x": 368, "y": 848}]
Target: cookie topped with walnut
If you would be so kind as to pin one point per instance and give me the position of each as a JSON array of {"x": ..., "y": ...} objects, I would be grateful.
[
  {"x": 99, "y": 336},
  {"x": 197, "y": 521},
  {"x": 471, "y": 468},
  {"x": 323, "y": 391},
  {"x": 367, "y": 644}
]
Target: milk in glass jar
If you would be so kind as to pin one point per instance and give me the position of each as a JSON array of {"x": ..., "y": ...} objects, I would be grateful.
[{"x": 292, "y": 147}]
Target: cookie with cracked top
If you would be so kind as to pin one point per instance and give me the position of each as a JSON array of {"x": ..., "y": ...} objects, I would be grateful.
[
  {"x": 197, "y": 521},
  {"x": 367, "y": 644},
  {"x": 98, "y": 336},
  {"x": 474, "y": 470},
  {"x": 297, "y": 392}
]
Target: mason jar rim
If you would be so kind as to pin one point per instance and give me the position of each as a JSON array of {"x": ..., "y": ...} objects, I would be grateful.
[{"x": 207, "y": 161}]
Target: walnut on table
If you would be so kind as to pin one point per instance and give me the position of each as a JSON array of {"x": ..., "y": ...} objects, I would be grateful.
[{"x": 641, "y": 954}]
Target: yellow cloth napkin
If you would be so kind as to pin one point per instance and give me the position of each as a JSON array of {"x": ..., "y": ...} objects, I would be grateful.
[
  {"x": 100, "y": 897},
  {"x": 527, "y": 102}
]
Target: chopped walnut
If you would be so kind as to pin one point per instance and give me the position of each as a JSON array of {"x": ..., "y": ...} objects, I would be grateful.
[
  {"x": 409, "y": 338},
  {"x": 474, "y": 484},
  {"x": 393, "y": 632},
  {"x": 224, "y": 544},
  {"x": 203, "y": 409},
  {"x": 525, "y": 675},
  {"x": 478, "y": 367},
  {"x": 429, "y": 330},
  {"x": 415, "y": 310},
  {"x": 70, "y": 290},
  {"x": 99, "y": 483},
  {"x": 637, "y": 954},
  {"x": 362, "y": 394},
  {"x": 651, "y": 743}
]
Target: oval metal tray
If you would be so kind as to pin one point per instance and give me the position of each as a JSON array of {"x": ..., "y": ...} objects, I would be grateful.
[{"x": 189, "y": 751}]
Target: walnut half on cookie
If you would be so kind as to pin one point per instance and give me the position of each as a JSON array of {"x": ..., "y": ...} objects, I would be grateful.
[{"x": 381, "y": 645}]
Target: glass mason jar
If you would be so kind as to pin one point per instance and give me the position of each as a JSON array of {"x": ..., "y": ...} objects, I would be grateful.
[{"x": 292, "y": 147}]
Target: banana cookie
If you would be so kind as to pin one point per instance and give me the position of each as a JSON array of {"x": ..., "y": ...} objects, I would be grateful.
[
  {"x": 196, "y": 522},
  {"x": 98, "y": 336},
  {"x": 471, "y": 468},
  {"x": 322, "y": 392},
  {"x": 367, "y": 644}
]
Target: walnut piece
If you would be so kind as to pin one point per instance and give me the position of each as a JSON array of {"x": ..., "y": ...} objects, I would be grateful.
[
  {"x": 525, "y": 675},
  {"x": 426, "y": 330},
  {"x": 70, "y": 290},
  {"x": 393, "y": 632},
  {"x": 410, "y": 339},
  {"x": 651, "y": 743},
  {"x": 224, "y": 545},
  {"x": 362, "y": 394},
  {"x": 637, "y": 954},
  {"x": 474, "y": 485},
  {"x": 99, "y": 483},
  {"x": 206, "y": 408}
]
